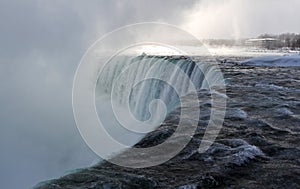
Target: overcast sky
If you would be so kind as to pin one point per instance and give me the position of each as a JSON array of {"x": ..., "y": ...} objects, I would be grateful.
[{"x": 42, "y": 42}]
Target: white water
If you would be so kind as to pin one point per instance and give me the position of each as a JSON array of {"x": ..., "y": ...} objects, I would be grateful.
[{"x": 124, "y": 98}]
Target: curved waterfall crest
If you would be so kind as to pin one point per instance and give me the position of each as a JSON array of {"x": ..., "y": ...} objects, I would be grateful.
[{"x": 130, "y": 71}]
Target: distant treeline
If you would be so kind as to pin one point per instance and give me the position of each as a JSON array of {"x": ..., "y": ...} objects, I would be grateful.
[
  {"x": 224, "y": 42},
  {"x": 286, "y": 40},
  {"x": 290, "y": 40}
]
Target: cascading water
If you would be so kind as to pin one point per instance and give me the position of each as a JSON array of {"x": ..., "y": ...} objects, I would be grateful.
[{"x": 122, "y": 83}]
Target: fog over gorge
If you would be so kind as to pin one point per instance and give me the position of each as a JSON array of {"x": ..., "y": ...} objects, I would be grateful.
[{"x": 42, "y": 43}]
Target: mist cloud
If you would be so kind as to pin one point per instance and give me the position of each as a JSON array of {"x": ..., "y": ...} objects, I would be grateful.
[
  {"x": 42, "y": 42},
  {"x": 242, "y": 19}
]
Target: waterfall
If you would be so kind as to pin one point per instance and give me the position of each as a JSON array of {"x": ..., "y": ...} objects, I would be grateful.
[{"x": 122, "y": 81}]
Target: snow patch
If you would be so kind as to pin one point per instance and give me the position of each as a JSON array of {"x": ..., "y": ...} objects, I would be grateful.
[{"x": 280, "y": 61}]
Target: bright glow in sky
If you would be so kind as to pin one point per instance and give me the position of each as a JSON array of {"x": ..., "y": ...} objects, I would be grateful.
[{"x": 242, "y": 18}]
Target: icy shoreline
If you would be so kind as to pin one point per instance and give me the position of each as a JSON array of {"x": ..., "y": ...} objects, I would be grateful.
[{"x": 279, "y": 61}]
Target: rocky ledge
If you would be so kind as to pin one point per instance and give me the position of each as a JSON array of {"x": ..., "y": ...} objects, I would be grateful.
[{"x": 258, "y": 145}]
